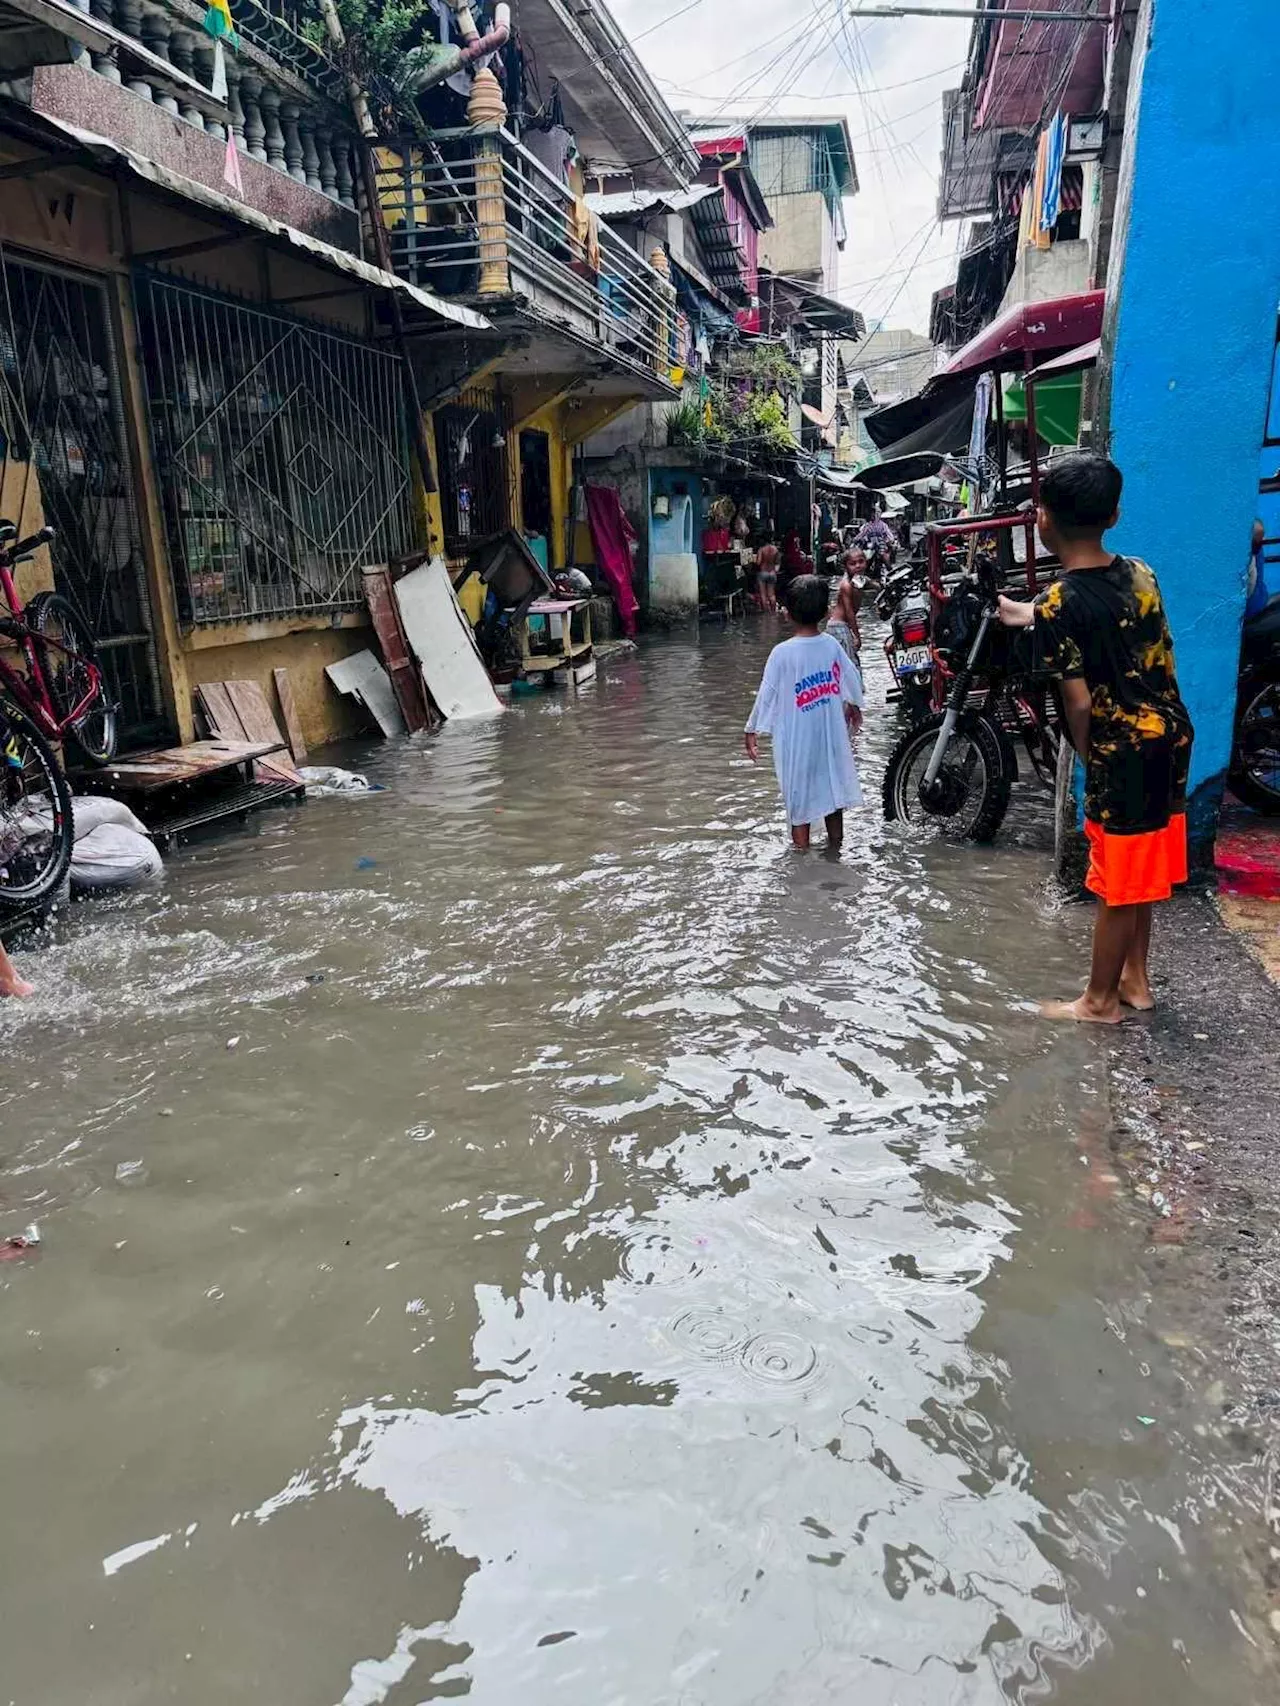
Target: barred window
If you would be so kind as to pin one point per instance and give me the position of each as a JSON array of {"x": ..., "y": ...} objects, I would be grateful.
[{"x": 281, "y": 453}]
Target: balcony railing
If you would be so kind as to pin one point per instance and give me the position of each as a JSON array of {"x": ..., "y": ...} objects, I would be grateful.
[
  {"x": 285, "y": 103},
  {"x": 473, "y": 214}
]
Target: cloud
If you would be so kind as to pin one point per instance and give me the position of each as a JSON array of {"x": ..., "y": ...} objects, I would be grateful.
[{"x": 754, "y": 57}]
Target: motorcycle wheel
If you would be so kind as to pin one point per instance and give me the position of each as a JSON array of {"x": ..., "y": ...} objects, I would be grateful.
[
  {"x": 974, "y": 784},
  {"x": 915, "y": 701},
  {"x": 1255, "y": 764}
]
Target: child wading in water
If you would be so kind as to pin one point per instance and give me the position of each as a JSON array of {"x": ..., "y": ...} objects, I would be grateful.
[
  {"x": 809, "y": 702},
  {"x": 1102, "y": 629}
]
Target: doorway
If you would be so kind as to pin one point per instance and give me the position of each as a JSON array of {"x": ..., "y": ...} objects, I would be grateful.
[
  {"x": 62, "y": 425},
  {"x": 535, "y": 493}
]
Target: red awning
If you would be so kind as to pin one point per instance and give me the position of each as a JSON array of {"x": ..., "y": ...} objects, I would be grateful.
[
  {"x": 1034, "y": 328},
  {"x": 1074, "y": 361}
]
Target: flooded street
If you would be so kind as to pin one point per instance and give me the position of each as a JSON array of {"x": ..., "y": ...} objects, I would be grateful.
[{"x": 619, "y": 1262}]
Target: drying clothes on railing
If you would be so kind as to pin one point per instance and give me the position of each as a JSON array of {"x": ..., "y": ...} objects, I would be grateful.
[
  {"x": 586, "y": 232},
  {"x": 612, "y": 536}
]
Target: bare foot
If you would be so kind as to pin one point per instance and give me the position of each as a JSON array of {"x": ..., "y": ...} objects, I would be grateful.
[
  {"x": 1084, "y": 1012},
  {"x": 1138, "y": 997},
  {"x": 16, "y": 987}
]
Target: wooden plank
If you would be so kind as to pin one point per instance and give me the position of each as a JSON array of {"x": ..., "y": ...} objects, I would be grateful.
[
  {"x": 251, "y": 707},
  {"x": 219, "y": 712},
  {"x": 405, "y": 680},
  {"x": 146, "y": 771},
  {"x": 289, "y": 711},
  {"x": 246, "y": 718}
]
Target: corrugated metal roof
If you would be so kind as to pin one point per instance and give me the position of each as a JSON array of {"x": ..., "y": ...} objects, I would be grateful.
[{"x": 624, "y": 202}]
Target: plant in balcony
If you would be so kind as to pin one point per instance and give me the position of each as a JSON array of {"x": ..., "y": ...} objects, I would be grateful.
[
  {"x": 685, "y": 424},
  {"x": 765, "y": 366},
  {"x": 387, "y": 53}
]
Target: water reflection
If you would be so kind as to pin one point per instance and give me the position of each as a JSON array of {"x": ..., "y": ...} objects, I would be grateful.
[{"x": 618, "y": 1261}]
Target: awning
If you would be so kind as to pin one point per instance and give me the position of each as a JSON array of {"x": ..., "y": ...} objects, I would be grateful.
[
  {"x": 939, "y": 418},
  {"x": 1074, "y": 361},
  {"x": 112, "y": 157},
  {"x": 902, "y": 471},
  {"x": 1029, "y": 329},
  {"x": 842, "y": 480}
]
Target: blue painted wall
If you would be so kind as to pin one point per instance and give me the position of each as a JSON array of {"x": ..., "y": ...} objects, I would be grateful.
[
  {"x": 672, "y": 481},
  {"x": 1194, "y": 285}
]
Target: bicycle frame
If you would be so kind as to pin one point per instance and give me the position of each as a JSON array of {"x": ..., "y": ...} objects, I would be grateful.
[{"x": 31, "y": 692}]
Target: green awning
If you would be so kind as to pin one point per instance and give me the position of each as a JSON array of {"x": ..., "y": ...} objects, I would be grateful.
[{"x": 1057, "y": 407}]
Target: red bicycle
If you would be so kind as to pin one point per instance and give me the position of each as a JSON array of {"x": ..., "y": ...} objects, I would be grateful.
[
  {"x": 63, "y": 692},
  {"x": 61, "y": 697}
]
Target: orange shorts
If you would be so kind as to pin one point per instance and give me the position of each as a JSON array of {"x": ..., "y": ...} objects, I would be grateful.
[{"x": 1131, "y": 870}]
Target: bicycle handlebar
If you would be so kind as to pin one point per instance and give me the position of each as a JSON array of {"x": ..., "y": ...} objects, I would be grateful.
[{"x": 24, "y": 547}]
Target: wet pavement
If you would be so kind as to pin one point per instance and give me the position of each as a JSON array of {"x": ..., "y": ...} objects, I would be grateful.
[{"x": 528, "y": 1236}]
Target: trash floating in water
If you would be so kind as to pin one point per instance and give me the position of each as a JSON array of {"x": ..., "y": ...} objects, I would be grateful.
[
  {"x": 314, "y": 977},
  {"x": 326, "y": 780},
  {"x": 1147, "y": 1421},
  {"x": 233, "y": 1042},
  {"x": 12, "y": 1248},
  {"x": 366, "y": 864},
  {"x": 131, "y": 1173}
]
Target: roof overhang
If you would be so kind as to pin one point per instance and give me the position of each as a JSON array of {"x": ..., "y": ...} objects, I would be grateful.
[
  {"x": 820, "y": 314},
  {"x": 624, "y": 125},
  {"x": 60, "y": 145}
]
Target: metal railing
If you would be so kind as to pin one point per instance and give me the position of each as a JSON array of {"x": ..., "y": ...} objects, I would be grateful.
[{"x": 474, "y": 214}]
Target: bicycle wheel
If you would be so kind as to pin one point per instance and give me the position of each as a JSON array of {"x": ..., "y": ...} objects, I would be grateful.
[
  {"x": 66, "y": 671},
  {"x": 974, "y": 784},
  {"x": 36, "y": 829}
]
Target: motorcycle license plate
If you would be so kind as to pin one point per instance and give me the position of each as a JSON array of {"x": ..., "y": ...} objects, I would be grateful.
[{"x": 912, "y": 660}]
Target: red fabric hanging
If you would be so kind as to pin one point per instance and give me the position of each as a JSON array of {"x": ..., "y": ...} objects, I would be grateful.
[{"x": 612, "y": 536}]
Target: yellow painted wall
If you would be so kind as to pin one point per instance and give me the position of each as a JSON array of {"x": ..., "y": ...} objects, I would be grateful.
[
  {"x": 325, "y": 713},
  {"x": 550, "y": 420}
]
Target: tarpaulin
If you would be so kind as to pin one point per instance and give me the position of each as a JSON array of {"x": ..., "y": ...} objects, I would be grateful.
[{"x": 612, "y": 537}]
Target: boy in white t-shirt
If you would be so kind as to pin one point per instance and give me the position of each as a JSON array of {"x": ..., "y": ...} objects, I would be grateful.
[{"x": 810, "y": 701}]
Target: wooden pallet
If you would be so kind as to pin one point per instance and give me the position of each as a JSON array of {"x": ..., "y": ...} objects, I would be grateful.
[{"x": 185, "y": 787}]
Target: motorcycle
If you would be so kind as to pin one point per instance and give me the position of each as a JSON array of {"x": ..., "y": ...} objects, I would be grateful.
[
  {"x": 879, "y": 562},
  {"x": 904, "y": 603},
  {"x": 1255, "y": 755},
  {"x": 956, "y": 768}
]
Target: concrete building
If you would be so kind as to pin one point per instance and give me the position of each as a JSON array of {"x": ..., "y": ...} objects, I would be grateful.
[
  {"x": 1021, "y": 77},
  {"x": 210, "y": 391}
]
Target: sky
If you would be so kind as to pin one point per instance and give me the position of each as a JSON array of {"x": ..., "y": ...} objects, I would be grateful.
[{"x": 752, "y": 58}]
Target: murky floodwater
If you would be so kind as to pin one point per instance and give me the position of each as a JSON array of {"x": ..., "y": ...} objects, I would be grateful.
[{"x": 648, "y": 1267}]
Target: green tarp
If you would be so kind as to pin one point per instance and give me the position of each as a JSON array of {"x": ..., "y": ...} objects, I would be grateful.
[{"x": 1057, "y": 407}]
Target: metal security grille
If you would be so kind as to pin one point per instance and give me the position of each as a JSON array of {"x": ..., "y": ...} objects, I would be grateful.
[
  {"x": 475, "y": 480},
  {"x": 63, "y": 431},
  {"x": 280, "y": 452}
]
